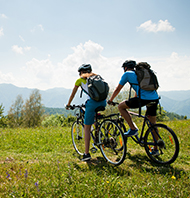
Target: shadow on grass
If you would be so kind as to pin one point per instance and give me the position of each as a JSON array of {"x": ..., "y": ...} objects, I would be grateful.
[
  {"x": 100, "y": 165},
  {"x": 144, "y": 164},
  {"x": 137, "y": 161}
]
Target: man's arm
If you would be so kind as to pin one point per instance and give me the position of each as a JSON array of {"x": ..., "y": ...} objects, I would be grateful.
[
  {"x": 116, "y": 92},
  {"x": 72, "y": 95}
]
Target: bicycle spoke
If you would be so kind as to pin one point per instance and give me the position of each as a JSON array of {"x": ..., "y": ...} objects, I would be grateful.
[
  {"x": 166, "y": 143},
  {"x": 112, "y": 143}
]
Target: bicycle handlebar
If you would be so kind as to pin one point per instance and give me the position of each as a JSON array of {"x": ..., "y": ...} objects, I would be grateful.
[
  {"x": 72, "y": 107},
  {"x": 112, "y": 103}
]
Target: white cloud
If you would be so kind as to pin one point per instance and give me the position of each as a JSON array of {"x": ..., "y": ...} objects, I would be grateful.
[
  {"x": 45, "y": 74},
  {"x": 3, "y": 16},
  {"x": 40, "y": 68},
  {"x": 21, "y": 38},
  {"x": 6, "y": 78},
  {"x": 1, "y": 32},
  {"x": 17, "y": 49},
  {"x": 173, "y": 71},
  {"x": 41, "y": 27},
  {"x": 27, "y": 48},
  {"x": 161, "y": 26},
  {"x": 37, "y": 28}
]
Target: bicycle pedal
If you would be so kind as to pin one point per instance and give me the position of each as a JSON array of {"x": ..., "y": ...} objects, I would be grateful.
[{"x": 93, "y": 150}]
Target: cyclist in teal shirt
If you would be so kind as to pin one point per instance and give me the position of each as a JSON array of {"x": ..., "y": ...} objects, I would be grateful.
[{"x": 147, "y": 98}]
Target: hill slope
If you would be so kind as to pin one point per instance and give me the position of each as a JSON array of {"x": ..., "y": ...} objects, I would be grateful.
[{"x": 172, "y": 101}]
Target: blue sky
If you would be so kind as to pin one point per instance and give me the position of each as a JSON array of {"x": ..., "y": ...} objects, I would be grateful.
[{"x": 42, "y": 43}]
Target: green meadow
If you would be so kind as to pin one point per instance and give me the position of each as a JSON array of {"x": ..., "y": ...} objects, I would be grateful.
[{"x": 41, "y": 162}]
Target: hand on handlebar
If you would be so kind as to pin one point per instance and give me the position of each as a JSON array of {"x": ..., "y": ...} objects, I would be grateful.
[
  {"x": 112, "y": 103},
  {"x": 68, "y": 107}
]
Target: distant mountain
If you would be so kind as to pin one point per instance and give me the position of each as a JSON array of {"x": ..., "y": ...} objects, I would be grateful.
[
  {"x": 55, "y": 98},
  {"x": 179, "y": 107},
  {"x": 176, "y": 101},
  {"x": 172, "y": 101},
  {"x": 176, "y": 95}
]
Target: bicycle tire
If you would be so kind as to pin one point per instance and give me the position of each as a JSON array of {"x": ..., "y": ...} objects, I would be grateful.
[
  {"x": 77, "y": 134},
  {"x": 168, "y": 144},
  {"x": 123, "y": 128},
  {"x": 112, "y": 142}
]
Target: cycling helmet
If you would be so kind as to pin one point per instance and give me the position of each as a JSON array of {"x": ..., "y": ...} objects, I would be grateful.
[
  {"x": 129, "y": 64},
  {"x": 85, "y": 67}
]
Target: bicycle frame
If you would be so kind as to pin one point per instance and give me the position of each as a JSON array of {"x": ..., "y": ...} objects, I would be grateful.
[
  {"x": 106, "y": 135},
  {"x": 139, "y": 140},
  {"x": 160, "y": 150},
  {"x": 80, "y": 118}
]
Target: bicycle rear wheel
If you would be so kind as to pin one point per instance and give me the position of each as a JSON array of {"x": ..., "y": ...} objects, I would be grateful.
[
  {"x": 77, "y": 134},
  {"x": 167, "y": 144},
  {"x": 112, "y": 142}
]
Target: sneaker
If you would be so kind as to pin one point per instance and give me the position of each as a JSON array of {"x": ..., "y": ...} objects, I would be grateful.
[
  {"x": 86, "y": 157},
  {"x": 131, "y": 132},
  {"x": 154, "y": 152}
]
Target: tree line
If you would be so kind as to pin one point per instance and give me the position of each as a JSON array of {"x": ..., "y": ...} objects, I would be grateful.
[
  {"x": 23, "y": 114},
  {"x": 32, "y": 113}
]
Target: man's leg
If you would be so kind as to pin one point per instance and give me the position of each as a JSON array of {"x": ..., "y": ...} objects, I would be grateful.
[
  {"x": 87, "y": 129},
  {"x": 122, "y": 108},
  {"x": 86, "y": 155},
  {"x": 152, "y": 119}
]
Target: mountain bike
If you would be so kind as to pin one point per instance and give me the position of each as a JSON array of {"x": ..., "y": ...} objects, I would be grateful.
[
  {"x": 156, "y": 135},
  {"x": 106, "y": 135}
]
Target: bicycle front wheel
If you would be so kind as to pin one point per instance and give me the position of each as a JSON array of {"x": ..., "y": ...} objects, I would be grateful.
[
  {"x": 112, "y": 142},
  {"x": 167, "y": 144},
  {"x": 77, "y": 134}
]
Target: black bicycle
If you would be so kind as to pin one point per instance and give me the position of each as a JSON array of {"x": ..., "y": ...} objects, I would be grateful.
[
  {"x": 106, "y": 135},
  {"x": 157, "y": 135}
]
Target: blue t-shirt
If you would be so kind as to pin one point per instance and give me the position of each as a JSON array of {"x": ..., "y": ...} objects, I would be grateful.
[{"x": 131, "y": 77}]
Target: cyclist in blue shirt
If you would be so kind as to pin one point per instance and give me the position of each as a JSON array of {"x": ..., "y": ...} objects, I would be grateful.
[{"x": 147, "y": 98}]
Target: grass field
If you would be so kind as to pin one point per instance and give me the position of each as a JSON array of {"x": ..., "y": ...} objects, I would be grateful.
[{"x": 41, "y": 162}]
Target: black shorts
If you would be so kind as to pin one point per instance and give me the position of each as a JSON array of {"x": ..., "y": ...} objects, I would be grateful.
[{"x": 151, "y": 105}]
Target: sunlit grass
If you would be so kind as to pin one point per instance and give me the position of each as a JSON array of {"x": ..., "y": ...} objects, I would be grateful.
[{"x": 41, "y": 162}]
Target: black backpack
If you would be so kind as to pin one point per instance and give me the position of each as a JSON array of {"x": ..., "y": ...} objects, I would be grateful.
[
  {"x": 98, "y": 89},
  {"x": 146, "y": 77}
]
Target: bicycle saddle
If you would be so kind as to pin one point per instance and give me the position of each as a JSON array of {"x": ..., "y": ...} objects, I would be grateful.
[{"x": 100, "y": 108}]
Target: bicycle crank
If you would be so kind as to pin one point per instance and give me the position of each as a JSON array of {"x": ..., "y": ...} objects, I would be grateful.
[{"x": 93, "y": 149}]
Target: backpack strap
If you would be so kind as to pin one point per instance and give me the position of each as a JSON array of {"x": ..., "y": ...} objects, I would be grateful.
[
  {"x": 160, "y": 107},
  {"x": 82, "y": 89}
]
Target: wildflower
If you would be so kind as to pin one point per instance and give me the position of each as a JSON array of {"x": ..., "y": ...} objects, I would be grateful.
[
  {"x": 26, "y": 173},
  {"x": 173, "y": 177},
  {"x": 8, "y": 175},
  {"x": 108, "y": 182},
  {"x": 36, "y": 184},
  {"x": 58, "y": 164}
]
